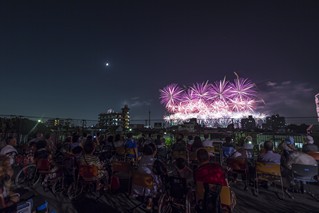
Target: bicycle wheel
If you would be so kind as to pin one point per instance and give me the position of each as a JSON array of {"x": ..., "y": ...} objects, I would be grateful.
[
  {"x": 74, "y": 190},
  {"x": 26, "y": 176}
]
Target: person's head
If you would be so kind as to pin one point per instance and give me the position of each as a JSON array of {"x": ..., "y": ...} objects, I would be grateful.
[
  {"x": 117, "y": 137},
  {"x": 68, "y": 139},
  {"x": 110, "y": 139},
  {"x": 41, "y": 144},
  {"x": 88, "y": 147},
  {"x": 268, "y": 146},
  {"x": 89, "y": 138},
  {"x": 180, "y": 137},
  {"x": 248, "y": 140},
  {"x": 148, "y": 150},
  {"x": 39, "y": 135},
  {"x": 202, "y": 155},
  {"x": 190, "y": 137},
  {"x": 129, "y": 135},
  {"x": 228, "y": 140},
  {"x": 290, "y": 140},
  {"x": 309, "y": 140},
  {"x": 180, "y": 163},
  {"x": 206, "y": 136},
  {"x": 197, "y": 142},
  {"x": 11, "y": 141},
  {"x": 75, "y": 138}
]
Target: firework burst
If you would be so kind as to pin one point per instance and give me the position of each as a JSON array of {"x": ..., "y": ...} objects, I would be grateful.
[{"x": 212, "y": 103}]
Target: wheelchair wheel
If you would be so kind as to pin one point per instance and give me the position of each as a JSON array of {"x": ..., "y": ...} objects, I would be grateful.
[
  {"x": 74, "y": 190},
  {"x": 27, "y": 176},
  {"x": 164, "y": 204},
  {"x": 188, "y": 208}
]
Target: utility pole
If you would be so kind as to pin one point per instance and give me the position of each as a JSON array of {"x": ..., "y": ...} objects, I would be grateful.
[{"x": 149, "y": 118}]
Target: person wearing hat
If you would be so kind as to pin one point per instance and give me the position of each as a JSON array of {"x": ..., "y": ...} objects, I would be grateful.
[{"x": 309, "y": 145}]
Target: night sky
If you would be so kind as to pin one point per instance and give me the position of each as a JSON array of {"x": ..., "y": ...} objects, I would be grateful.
[{"x": 53, "y": 55}]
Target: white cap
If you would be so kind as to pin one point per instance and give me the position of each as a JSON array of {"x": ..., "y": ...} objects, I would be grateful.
[{"x": 309, "y": 139}]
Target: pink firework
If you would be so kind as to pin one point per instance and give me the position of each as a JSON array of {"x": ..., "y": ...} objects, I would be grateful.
[
  {"x": 171, "y": 95},
  {"x": 220, "y": 90},
  {"x": 201, "y": 91},
  {"x": 242, "y": 89},
  {"x": 222, "y": 99},
  {"x": 239, "y": 105}
]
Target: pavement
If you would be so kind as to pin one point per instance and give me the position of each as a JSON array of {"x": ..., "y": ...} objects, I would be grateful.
[{"x": 266, "y": 201}]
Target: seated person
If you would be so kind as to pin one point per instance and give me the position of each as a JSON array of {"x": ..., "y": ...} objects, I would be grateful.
[
  {"x": 88, "y": 159},
  {"x": 248, "y": 148},
  {"x": 180, "y": 144},
  {"x": 118, "y": 142},
  {"x": 229, "y": 149},
  {"x": 7, "y": 197},
  {"x": 190, "y": 142},
  {"x": 309, "y": 145},
  {"x": 145, "y": 165},
  {"x": 183, "y": 171},
  {"x": 42, "y": 156},
  {"x": 297, "y": 157},
  {"x": 268, "y": 156},
  {"x": 287, "y": 145},
  {"x": 206, "y": 141},
  {"x": 197, "y": 144},
  {"x": 10, "y": 149},
  {"x": 207, "y": 172},
  {"x": 131, "y": 148}
]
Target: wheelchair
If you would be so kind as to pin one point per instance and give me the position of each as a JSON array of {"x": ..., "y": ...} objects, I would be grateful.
[
  {"x": 88, "y": 179},
  {"x": 176, "y": 196},
  {"x": 214, "y": 198}
]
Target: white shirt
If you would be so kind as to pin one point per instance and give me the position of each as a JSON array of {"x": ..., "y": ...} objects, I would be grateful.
[{"x": 208, "y": 143}]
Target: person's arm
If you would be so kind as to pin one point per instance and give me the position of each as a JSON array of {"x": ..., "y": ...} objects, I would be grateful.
[
  {"x": 136, "y": 153},
  {"x": 13, "y": 199}
]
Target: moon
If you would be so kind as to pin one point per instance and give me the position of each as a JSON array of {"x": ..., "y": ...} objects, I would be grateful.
[{"x": 107, "y": 64}]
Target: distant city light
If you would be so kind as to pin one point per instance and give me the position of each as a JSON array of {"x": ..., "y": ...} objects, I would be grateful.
[
  {"x": 213, "y": 104},
  {"x": 39, "y": 121}
]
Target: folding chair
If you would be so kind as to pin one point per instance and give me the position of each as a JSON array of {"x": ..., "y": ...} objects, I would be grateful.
[
  {"x": 176, "y": 196},
  {"x": 89, "y": 173},
  {"x": 305, "y": 174},
  {"x": 142, "y": 181},
  {"x": 208, "y": 197},
  {"x": 268, "y": 172},
  {"x": 239, "y": 166},
  {"x": 122, "y": 170}
]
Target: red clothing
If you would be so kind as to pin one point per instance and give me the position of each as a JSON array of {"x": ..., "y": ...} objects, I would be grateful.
[{"x": 210, "y": 173}]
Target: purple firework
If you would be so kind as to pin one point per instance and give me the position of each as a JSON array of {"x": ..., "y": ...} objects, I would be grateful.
[
  {"x": 220, "y": 90},
  {"x": 242, "y": 88},
  {"x": 188, "y": 95},
  {"x": 201, "y": 91},
  {"x": 171, "y": 95}
]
